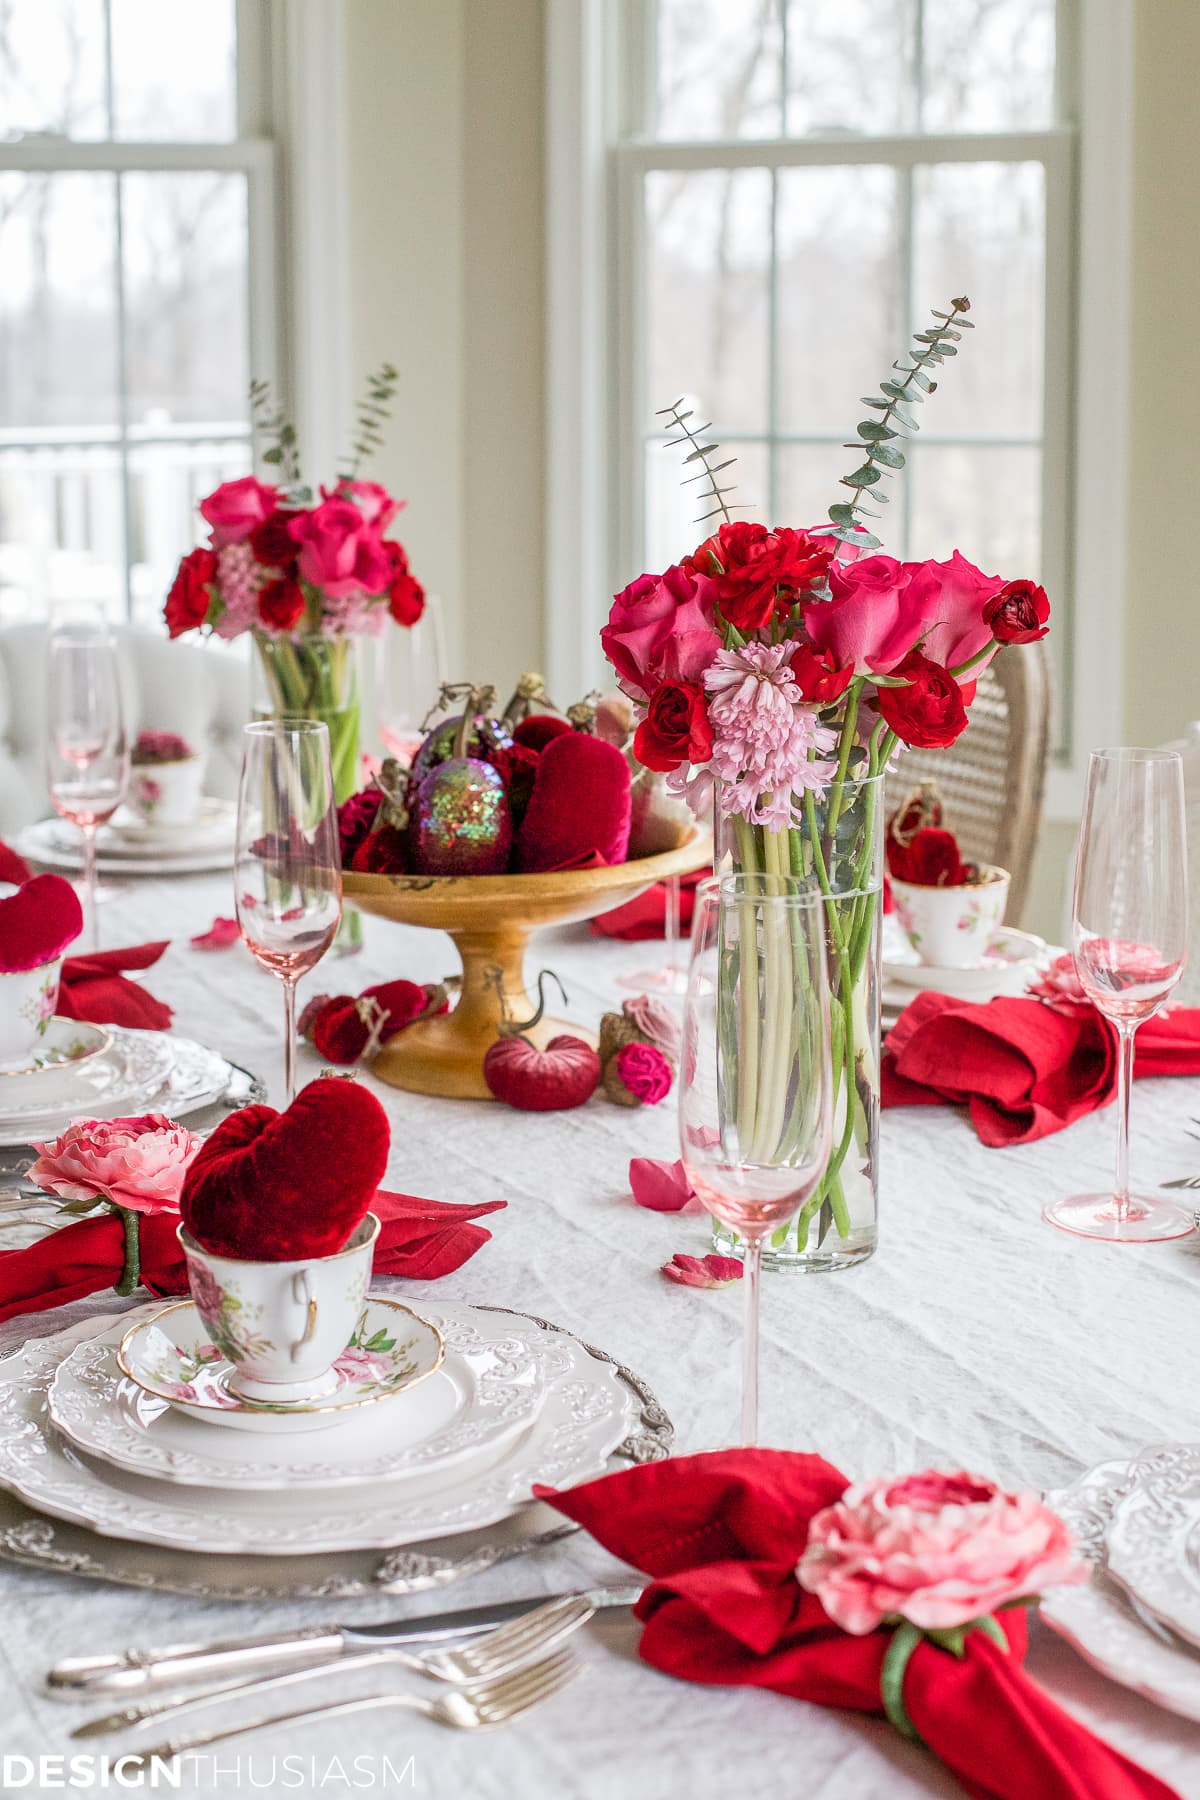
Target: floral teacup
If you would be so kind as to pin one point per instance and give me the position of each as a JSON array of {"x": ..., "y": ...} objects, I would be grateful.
[
  {"x": 951, "y": 927},
  {"x": 27, "y": 1001},
  {"x": 167, "y": 793},
  {"x": 282, "y": 1324}
]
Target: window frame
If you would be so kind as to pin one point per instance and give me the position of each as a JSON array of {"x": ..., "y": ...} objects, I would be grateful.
[{"x": 596, "y": 60}]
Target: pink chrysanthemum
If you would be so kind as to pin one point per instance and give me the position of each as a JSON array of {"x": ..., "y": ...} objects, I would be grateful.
[
  {"x": 766, "y": 740},
  {"x": 237, "y": 578}
]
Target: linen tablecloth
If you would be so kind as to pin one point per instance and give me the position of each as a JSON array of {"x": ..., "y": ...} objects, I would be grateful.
[{"x": 977, "y": 1337}]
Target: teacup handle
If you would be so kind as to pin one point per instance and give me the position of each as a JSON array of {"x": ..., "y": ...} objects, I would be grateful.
[{"x": 303, "y": 1294}]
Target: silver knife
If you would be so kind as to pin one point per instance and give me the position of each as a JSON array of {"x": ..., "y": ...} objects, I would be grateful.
[{"x": 140, "y": 1671}]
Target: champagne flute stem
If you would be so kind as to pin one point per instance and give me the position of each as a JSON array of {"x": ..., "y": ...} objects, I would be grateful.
[
  {"x": 752, "y": 1278},
  {"x": 1124, "y": 1086},
  {"x": 89, "y": 886},
  {"x": 671, "y": 920},
  {"x": 289, "y": 1039}
]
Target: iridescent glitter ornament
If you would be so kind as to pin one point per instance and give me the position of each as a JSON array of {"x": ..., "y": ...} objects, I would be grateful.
[{"x": 461, "y": 822}]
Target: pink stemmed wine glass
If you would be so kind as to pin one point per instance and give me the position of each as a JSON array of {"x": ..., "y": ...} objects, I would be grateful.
[
  {"x": 410, "y": 669},
  {"x": 287, "y": 869},
  {"x": 87, "y": 751},
  {"x": 1129, "y": 941},
  {"x": 756, "y": 1084}
]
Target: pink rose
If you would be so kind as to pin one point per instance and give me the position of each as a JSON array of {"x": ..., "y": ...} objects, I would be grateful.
[
  {"x": 878, "y": 610},
  {"x": 237, "y": 508},
  {"x": 340, "y": 551},
  {"x": 935, "y": 1549},
  {"x": 957, "y": 629},
  {"x": 645, "y": 1071},
  {"x": 661, "y": 626},
  {"x": 138, "y": 1163},
  {"x": 372, "y": 499}
]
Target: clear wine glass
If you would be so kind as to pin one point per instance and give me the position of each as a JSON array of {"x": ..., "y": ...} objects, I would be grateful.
[
  {"x": 756, "y": 1086},
  {"x": 1129, "y": 941},
  {"x": 287, "y": 871},
  {"x": 669, "y": 977},
  {"x": 410, "y": 672},
  {"x": 87, "y": 750}
]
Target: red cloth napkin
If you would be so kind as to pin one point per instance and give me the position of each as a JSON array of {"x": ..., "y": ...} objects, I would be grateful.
[
  {"x": 646, "y": 915},
  {"x": 722, "y": 1534},
  {"x": 420, "y": 1239},
  {"x": 93, "y": 988},
  {"x": 1023, "y": 1069}
]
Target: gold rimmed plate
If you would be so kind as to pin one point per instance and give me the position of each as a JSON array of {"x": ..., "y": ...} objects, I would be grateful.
[{"x": 172, "y": 1357}]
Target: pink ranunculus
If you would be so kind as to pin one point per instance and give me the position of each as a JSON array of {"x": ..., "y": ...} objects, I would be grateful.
[
  {"x": 935, "y": 1549},
  {"x": 137, "y": 1162},
  {"x": 645, "y": 1071},
  {"x": 956, "y": 629},
  {"x": 877, "y": 611},
  {"x": 340, "y": 551},
  {"x": 661, "y": 625},
  {"x": 237, "y": 508},
  {"x": 371, "y": 498}
]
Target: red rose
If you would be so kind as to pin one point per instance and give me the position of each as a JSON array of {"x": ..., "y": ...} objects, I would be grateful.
[
  {"x": 356, "y": 815},
  {"x": 406, "y": 596},
  {"x": 676, "y": 728},
  {"x": 272, "y": 542},
  {"x": 188, "y": 601},
  {"x": 281, "y": 604},
  {"x": 763, "y": 571},
  {"x": 380, "y": 853},
  {"x": 927, "y": 713},
  {"x": 1018, "y": 613},
  {"x": 818, "y": 675},
  {"x": 930, "y": 859}
]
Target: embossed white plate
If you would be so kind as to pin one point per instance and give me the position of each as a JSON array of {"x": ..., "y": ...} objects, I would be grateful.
[
  {"x": 587, "y": 1412},
  {"x": 139, "y": 1071},
  {"x": 41, "y": 844},
  {"x": 487, "y": 1392},
  {"x": 1098, "y": 1619},
  {"x": 1154, "y": 1536},
  {"x": 62, "y": 1051}
]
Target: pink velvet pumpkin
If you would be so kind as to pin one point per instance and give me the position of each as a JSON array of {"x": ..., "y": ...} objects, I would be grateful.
[{"x": 564, "y": 1074}]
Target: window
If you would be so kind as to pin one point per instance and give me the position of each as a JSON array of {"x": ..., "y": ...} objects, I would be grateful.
[{"x": 135, "y": 204}]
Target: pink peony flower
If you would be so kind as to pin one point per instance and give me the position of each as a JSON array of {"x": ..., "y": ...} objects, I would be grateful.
[
  {"x": 661, "y": 625},
  {"x": 659, "y": 1186},
  {"x": 763, "y": 733},
  {"x": 935, "y": 1549},
  {"x": 1060, "y": 987},
  {"x": 656, "y": 1021},
  {"x": 137, "y": 1162},
  {"x": 702, "y": 1271},
  {"x": 340, "y": 551},
  {"x": 645, "y": 1071},
  {"x": 371, "y": 498},
  {"x": 237, "y": 508}
]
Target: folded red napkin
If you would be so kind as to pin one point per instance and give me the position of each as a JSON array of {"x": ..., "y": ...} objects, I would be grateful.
[
  {"x": 420, "y": 1239},
  {"x": 722, "y": 1534},
  {"x": 1023, "y": 1069},
  {"x": 93, "y": 988},
  {"x": 646, "y": 915}
]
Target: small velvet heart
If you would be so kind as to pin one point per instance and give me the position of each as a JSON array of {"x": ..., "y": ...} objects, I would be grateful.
[
  {"x": 37, "y": 923},
  {"x": 278, "y": 1187},
  {"x": 580, "y": 806}
]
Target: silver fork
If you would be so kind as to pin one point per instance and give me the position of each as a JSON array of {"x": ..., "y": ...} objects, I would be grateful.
[
  {"x": 467, "y": 1709},
  {"x": 499, "y": 1653},
  {"x": 1185, "y": 1181}
]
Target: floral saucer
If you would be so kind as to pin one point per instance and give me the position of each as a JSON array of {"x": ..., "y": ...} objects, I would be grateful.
[
  {"x": 62, "y": 1047},
  {"x": 171, "y": 1356},
  {"x": 1006, "y": 967}
]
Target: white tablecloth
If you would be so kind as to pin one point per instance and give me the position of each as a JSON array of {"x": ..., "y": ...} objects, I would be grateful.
[{"x": 977, "y": 1337}]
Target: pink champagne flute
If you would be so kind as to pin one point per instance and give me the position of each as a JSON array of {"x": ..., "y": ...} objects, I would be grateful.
[
  {"x": 756, "y": 1084},
  {"x": 287, "y": 869},
  {"x": 1129, "y": 941},
  {"x": 87, "y": 751}
]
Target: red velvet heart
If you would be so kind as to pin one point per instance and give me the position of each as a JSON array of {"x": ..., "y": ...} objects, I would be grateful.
[
  {"x": 579, "y": 808},
  {"x": 278, "y": 1187},
  {"x": 540, "y": 729},
  {"x": 38, "y": 922}
]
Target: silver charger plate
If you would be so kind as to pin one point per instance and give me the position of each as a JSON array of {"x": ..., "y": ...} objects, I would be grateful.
[
  {"x": 34, "y": 1541},
  {"x": 1098, "y": 1620}
]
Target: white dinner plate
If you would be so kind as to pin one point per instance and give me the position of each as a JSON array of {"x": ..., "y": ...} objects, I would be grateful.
[
  {"x": 140, "y": 1071},
  {"x": 41, "y": 844},
  {"x": 1153, "y": 1538},
  {"x": 1098, "y": 1619},
  {"x": 488, "y": 1391},
  {"x": 587, "y": 1412},
  {"x": 128, "y": 835}
]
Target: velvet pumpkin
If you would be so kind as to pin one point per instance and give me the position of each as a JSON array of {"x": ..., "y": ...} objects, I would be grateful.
[
  {"x": 564, "y": 1074},
  {"x": 579, "y": 810}
]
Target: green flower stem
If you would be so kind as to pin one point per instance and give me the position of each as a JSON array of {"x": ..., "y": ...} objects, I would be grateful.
[
  {"x": 312, "y": 678},
  {"x": 131, "y": 1273},
  {"x": 904, "y": 1640}
]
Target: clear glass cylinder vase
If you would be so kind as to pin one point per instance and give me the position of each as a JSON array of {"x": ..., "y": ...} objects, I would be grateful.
[
  {"x": 836, "y": 843},
  {"x": 314, "y": 677}
]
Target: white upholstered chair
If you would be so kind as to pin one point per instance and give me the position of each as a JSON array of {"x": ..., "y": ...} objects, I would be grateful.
[{"x": 200, "y": 691}]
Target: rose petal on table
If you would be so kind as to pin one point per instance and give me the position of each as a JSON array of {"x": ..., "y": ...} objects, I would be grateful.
[
  {"x": 702, "y": 1271},
  {"x": 220, "y": 934},
  {"x": 660, "y": 1186}
]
